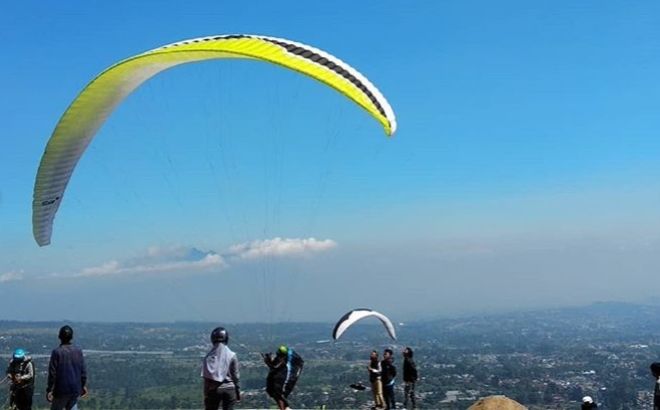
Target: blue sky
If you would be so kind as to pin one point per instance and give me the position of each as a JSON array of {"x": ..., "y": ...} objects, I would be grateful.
[{"x": 524, "y": 172}]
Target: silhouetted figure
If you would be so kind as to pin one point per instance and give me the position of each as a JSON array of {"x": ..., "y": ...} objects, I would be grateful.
[
  {"x": 409, "y": 377},
  {"x": 67, "y": 375},
  {"x": 655, "y": 370},
  {"x": 221, "y": 374},
  {"x": 21, "y": 376},
  {"x": 388, "y": 375}
]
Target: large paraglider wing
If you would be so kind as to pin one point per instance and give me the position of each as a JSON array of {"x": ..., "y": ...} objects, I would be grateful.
[
  {"x": 355, "y": 315},
  {"x": 99, "y": 98}
]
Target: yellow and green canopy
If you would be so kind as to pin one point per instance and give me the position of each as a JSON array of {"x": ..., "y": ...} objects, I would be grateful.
[{"x": 102, "y": 95}]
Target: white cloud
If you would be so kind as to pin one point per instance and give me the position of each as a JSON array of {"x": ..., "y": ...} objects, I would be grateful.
[
  {"x": 280, "y": 247},
  {"x": 107, "y": 268},
  {"x": 159, "y": 260},
  {"x": 11, "y": 276},
  {"x": 180, "y": 259}
]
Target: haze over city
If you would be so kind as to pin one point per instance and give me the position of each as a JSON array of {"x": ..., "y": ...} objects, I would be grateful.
[{"x": 523, "y": 174}]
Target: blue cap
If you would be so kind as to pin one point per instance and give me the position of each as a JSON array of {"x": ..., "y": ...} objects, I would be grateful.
[{"x": 19, "y": 354}]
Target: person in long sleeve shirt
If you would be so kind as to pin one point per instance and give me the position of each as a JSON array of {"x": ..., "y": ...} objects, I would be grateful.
[
  {"x": 21, "y": 375},
  {"x": 67, "y": 375},
  {"x": 283, "y": 371},
  {"x": 374, "y": 378},
  {"x": 388, "y": 374},
  {"x": 409, "y": 377},
  {"x": 220, "y": 371}
]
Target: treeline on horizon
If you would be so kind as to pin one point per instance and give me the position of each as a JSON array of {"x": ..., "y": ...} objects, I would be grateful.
[{"x": 527, "y": 356}]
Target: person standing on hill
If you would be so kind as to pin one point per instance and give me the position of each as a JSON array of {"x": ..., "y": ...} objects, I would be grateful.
[
  {"x": 409, "y": 377},
  {"x": 21, "y": 377},
  {"x": 374, "y": 378},
  {"x": 588, "y": 403},
  {"x": 67, "y": 376},
  {"x": 655, "y": 371},
  {"x": 284, "y": 369},
  {"x": 388, "y": 374},
  {"x": 221, "y": 374}
]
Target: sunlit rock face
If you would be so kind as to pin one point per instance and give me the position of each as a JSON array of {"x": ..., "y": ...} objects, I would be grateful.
[{"x": 496, "y": 403}]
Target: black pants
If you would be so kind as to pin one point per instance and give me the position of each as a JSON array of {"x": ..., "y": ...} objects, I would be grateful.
[
  {"x": 409, "y": 393},
  {"x": 215, "y": 395},
  {"x": 388, "y": 395},
  {"x": 277, "y": 395},
  {"x": 23, "y": 397}
]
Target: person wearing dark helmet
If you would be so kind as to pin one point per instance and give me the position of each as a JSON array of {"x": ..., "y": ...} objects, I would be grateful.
[
  {"x": 67, "y": 376},
  {"x": 221, "y": 374},
  {"x": 21, "y": 376}
]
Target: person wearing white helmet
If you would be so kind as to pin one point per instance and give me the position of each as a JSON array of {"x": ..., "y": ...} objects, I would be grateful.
[{"x": 588, "y": 403}]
